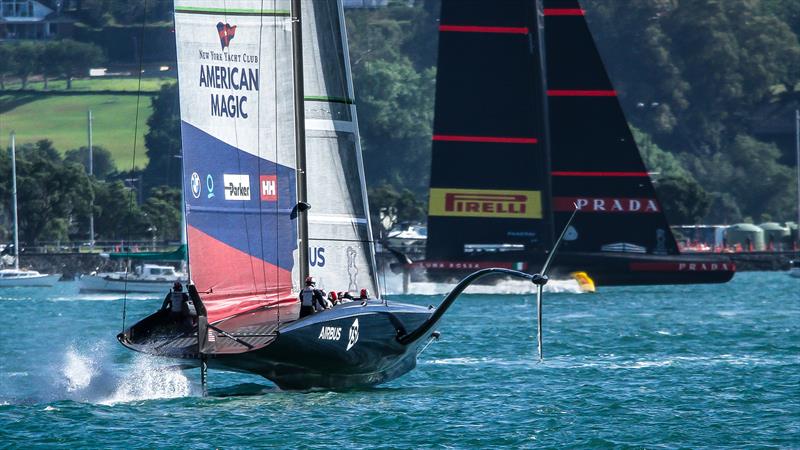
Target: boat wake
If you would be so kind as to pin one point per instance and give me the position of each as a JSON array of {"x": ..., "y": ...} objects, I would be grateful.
[
  {"x": 394, "y": 286},
  {"x": 92, "y": 377}
]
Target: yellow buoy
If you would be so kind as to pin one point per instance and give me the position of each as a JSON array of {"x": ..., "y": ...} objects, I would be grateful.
[{"x": 584, "y": 281}]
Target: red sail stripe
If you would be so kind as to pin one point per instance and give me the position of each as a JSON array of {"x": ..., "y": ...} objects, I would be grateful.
[
  {"x": 480, "y": 29},
  {"x": 564, "y": 12},
  {"x": 598, "y": 174},
  {"x": 581, "y": 93},
  {"x": 489, "y": 139}
]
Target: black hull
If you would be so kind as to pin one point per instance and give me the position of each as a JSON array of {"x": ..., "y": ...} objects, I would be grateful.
[
  {"x": 619, "y": 269},
  {"x": 350, "y": 345}
]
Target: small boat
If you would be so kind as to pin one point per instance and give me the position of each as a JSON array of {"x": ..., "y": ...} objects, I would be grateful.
[
  {"x": 17, "y": 277},
  {"x": 26, "y": 278},
  {"x": 274, "y": 119},
  {"x": 144, "y": 279},
  {"x": 519, "y": 138}
]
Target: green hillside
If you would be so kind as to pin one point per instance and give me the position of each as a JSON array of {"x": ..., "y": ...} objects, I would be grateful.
[{"x": 62, "y": 119}]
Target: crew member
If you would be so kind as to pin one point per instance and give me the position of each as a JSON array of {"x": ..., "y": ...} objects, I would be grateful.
[
  {"x": 364, "y": 294},
  {"x": 311, "y": 298},
  {"x": 176, "y": 299},
  {"x": 332, "y": 297}
]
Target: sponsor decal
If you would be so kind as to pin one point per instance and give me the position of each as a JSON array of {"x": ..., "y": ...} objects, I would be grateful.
[
  {"x": 316, "y": 256},
  {"x": 682, "y": 267},
  {"x": 352, "y": 269},
  {"x": 330, "y": 333},
  {"x": 196, "y": 185},
  {"x": 237, "y": 187},
  {"x": 483, "y": 203},
  {"x": 353, "y": 335},
  {"x": 210, "y": 185},
  {"x": 224, "y": 70},
  {"x": 606, "y": 205},
  {"x": 269, "y": 188},
  {"x": 226, "y": 34},
  {"x": 447, "y": 265}
]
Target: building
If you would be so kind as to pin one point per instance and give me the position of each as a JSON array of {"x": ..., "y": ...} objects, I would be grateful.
[{"x": 29, "y": 19}]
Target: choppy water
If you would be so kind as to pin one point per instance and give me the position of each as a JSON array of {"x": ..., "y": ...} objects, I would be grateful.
[{"x": 693, "y": 366}]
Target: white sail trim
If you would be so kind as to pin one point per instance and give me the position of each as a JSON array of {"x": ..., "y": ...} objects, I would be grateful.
[
  {"x": 336, "y": 219},
  {"x": 330, "y": 125}
]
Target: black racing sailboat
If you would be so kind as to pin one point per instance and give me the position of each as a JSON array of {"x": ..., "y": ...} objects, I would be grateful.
[
  {"x": 527, "y": 124},
  {"x": 266, "y": 101}
]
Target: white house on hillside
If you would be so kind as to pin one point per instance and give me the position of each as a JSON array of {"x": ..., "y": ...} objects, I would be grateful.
[{"x": 29, "y": 19}]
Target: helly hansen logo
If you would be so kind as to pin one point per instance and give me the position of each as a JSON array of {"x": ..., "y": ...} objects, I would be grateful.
[
  {"x": 486, "y": 203},
  {"x": 269, "y": 188},
  {"x": 606, "y": 205},
  {"x": 226, "y": 34}
]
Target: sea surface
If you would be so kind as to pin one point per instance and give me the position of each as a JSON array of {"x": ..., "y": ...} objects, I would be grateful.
[{"x": 714, "y": 366}]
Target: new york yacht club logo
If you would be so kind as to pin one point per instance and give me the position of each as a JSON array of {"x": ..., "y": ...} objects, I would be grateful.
[{"x": 226, "y": 34}]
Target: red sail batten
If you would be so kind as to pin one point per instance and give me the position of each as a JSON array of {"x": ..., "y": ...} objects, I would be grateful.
[
  {"x": 484, "y": 139},
  {"x": 564, "y": 12},
  {"x": 483, "y": 29}
]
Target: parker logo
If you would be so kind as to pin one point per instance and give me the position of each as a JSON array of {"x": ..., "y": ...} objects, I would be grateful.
[
  {"x": 486, "y": 203},
  {"x": 226, "y": 34},
  {"x": 269, "y": 188},
  {"x": 606, "y": 204},
  {"x": 237, "y": 187}
]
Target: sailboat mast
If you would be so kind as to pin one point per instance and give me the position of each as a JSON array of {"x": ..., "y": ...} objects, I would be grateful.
[
  {"x": 300, "y": 136},
  {"x": 14, "y": 197},
  {"x": 797, "y": 144},
  {"x": 91, "y": 172},
  {"x": 547, "y": 198}
]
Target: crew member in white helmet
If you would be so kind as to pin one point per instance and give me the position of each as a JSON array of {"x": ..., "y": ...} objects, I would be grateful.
[{"x": 311, "y": 298}]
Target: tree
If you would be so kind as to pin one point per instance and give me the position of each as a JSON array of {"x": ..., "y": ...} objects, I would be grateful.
[
  {"x": 26, "y": 60},
  {"x": 163, "y": 211},
  {"x": 103, "y": 163},
  {"x": 163, "y": 141},
  {"x": 52, "y": 194},
  {"x": 409, "y": 206},
  {"x": 117, "y": 215},
  {"x": 8, "y": 68},
  {"x": 76, "y": 58}
]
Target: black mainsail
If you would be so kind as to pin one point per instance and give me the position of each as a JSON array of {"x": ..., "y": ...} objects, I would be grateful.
[
  {"x": 525, "y": 109},
  {"x": 489, "y": 169}
]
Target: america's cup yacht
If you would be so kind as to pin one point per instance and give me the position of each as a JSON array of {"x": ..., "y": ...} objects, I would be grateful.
[{"x": 275, "y": 192}]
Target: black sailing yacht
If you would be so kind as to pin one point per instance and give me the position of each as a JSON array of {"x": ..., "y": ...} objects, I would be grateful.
[
  {"x": 267, "y": 99},
  {"x": 527, "y": 124}
]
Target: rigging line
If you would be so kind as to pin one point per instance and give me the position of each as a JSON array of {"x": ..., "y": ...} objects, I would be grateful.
[
  {"x": 277, "y": 153},
  {"x": 133, "y": 161},
  {"x": 258, "y": 161},
  {"x": 239, "y": 165}
]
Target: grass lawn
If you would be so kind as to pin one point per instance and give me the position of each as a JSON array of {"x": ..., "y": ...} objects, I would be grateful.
[
  {"x": 96, "y": 84},
  {"x": 62, "y": 119}
]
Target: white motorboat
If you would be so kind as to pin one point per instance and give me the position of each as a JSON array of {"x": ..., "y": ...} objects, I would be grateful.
[
  {"x": 26, "y": 278},
  {"x": 146, "y": 278}
]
